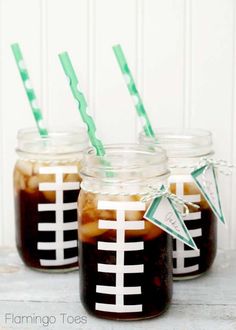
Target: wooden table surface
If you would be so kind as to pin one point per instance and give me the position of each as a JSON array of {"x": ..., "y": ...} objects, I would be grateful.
[{"x": 205, "y": 303}]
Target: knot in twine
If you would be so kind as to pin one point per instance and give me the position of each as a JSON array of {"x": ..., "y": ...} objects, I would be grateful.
[{"x": 179, "y": 203}]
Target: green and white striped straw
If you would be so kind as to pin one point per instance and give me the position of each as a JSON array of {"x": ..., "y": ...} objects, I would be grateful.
[
  {"x": 133, "y": 91},
  {"x": 82, "y": 104},
  {"x": 29, "y": 90}
]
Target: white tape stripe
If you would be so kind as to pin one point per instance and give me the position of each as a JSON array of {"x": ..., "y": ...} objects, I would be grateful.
[
  {"x": 185, "y": 270},
  {"x": 193, "y": 216},
  {"x": 180, "y": 254},
  {"x": 179, "y": 192},
  {"x": 186, "y": 253},
  {"x": 120, "y": 255},
  {"x": 128, "y": 225},
  {"x": 118, "y": 308},
  {"x": 179, "y": 261},
  {"x": 58, "y": 262},
  {"x": 191, "y": 198},
  {"x": 58, "y": 226},
  {"x": 120, "y": 246},
  {"x": 58, "y": 207},
  {"x": 121, "y": 206},
  {"x": 195, "y": 232},
  {"x": 57, "y": 245},
  {"x": 51, "y": 186},
  {"x": 55, "y": 207},
  {"x": 180, "y": 178},
  {"x": 120, "y": 269},
  {"x": 118, "y": 290},
  {"x": 58, "y": 170},
  {"x": 129, "y": 246},
  {"x": 59, "y": 219}
]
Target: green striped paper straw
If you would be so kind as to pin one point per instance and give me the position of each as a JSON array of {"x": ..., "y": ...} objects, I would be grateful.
[
  {"x": 133, "y": 91},
  {"x": 29, "y": 90},
  {"x": 82, "y": 104}
]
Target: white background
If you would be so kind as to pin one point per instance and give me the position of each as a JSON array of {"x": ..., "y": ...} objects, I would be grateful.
[{"x": 181, "y": 52}]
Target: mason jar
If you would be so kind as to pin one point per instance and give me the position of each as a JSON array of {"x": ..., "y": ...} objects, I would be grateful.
[
  {"x": 125, "y": 260},
  {"x": 185, "y": 148},
  {"x": 46, "y": 187}
]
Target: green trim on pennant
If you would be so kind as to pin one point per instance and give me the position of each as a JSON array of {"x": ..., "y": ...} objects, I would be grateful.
[
  {"x": 149, "y": 215},
  {"x": 197, "y": 173}
]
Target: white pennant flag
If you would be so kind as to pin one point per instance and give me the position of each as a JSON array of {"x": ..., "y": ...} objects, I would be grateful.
[
  {"x": 205, "y": 178},
  {"x": 164, "y": 214}
]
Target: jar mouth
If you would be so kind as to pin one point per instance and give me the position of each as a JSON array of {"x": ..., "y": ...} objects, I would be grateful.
[
  {"x": 60, "y": 140},
  {"x": 130, "y": 162},
  {"x": 180, "y": 143}
]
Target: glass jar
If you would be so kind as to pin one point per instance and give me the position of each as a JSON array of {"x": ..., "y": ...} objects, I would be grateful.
[
  {"x": 125, "y": 260},
  {"x": 185, "y": 148},
  {"x": 46, "y": 187}
]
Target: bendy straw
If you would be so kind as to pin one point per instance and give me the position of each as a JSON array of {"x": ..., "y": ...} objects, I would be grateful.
[
  {"x": 29, "y": 90},
  {"x": 133, "y": 91},
  {"x": 82, "y": 104}
]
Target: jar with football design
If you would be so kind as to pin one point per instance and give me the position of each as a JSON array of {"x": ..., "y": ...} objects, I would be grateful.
[
  {"x": 185, "y": 148},
  {"x": 46, "y": 188},
  {"x": 125, "y": 260}
]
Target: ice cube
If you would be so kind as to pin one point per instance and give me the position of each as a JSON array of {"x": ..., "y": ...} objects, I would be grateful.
[
  {"x": 50, "y": 196},
  {"x": 107, "y": 215},
  {"x": 22, "y": 182},
  {"x": 153, "y": 231},
  {"x": 134, "y": 215},
  {"x": 88, "y": 214},
  {"x": 87, "y": 202},
  {"x": 203, "y": 205},
  {"x": 44, "y": 178},
  {"x": 91, "y": 229},
  {"x": 19, "y": 180},
  {"x": 26, "y": 168},
  {"x": 136, "y": 233},
  {"x": 72, "y": 178},
  {"x": 125, "y": 198},
  {"x": 33, "y": 182},
  {"x": 191, "y": 189},
  {"x": 36, "y": 167}
]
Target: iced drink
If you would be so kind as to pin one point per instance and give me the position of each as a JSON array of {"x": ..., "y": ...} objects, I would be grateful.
[
  {"x": 125, "y": 261},
  {"x": 46, "y": 213}
]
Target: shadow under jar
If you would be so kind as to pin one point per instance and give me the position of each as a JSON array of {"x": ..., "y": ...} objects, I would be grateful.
[
  {"x": 125, "y": 261},
  {"x": 46, "y": 188},
  {"x": 185, "y": 148}
]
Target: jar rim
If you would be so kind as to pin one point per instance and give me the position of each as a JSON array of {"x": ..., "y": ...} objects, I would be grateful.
[
  {"x": 132, "y": 161},
  {"x": 60, "y": 140},
  {"x": 181, "y": 142}
]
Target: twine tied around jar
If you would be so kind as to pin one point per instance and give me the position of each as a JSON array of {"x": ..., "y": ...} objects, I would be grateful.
[
  {"x": 179, "y": 203},
  {"x": 221, "y": 165}
]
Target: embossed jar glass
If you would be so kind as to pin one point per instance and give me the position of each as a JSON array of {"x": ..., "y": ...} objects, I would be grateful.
[
  {"x": 185, "y": 148},
  {"x": 46, "y": 187},
  {"x": 125, "y": 260}
]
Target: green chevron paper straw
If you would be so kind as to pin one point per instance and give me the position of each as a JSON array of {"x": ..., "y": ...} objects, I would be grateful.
[
  {"x": 133, "y": 91},
  {"x": 29, "y": 90},
  {"x": 82, "y": 104}
]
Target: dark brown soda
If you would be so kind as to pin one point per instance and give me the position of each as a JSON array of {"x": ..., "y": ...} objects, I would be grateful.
[
  {"x": 155, "y": 281},
  {"x": 27, "y": 234},
  {"x": 206, "y": 243}
]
